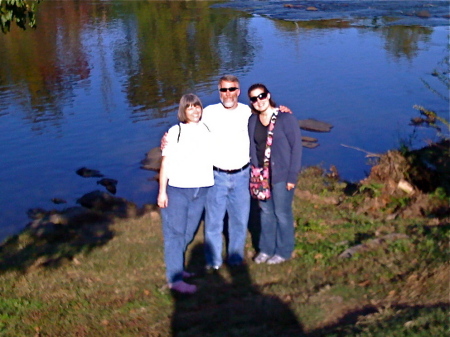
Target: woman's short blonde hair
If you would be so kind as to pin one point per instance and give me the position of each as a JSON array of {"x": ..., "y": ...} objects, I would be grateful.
[{"x": 186, "y": 101}]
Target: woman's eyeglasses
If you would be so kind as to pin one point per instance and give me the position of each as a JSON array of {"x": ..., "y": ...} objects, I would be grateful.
[
  {"x": 232, "y": 89},
  {"x": 261, "y": 96}
]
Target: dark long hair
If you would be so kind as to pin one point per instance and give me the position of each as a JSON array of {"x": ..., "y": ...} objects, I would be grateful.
[{"x": 264, "y": 89}]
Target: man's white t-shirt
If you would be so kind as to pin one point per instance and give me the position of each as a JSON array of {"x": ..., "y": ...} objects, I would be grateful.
[
  {"x": 229, "y": 132},
  {"x": 189, "y": 156}
]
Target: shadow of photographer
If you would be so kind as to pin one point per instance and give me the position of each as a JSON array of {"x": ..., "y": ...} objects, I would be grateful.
[{"x": 227, "y": 303}]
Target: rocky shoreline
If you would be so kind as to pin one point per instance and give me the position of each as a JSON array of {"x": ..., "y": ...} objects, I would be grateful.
[
  {"x": 99, "y": 206},
  {"x": 355, "y": 13},
  {"x": 396, "y": 176}
]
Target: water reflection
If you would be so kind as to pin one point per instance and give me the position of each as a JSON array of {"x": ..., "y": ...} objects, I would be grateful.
[
  {"x": 41, "y": 68},
  {"x": 404, "y": 41},
  {"x": 97, "y": 84},
  {"x": 160, "y": 49},
  {"x": 179, "y": 47},
  {"x": 400, "y": 41}
]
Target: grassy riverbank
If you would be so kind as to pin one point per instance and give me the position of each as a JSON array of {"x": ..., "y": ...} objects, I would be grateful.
[{"x": 371, "y": 259}]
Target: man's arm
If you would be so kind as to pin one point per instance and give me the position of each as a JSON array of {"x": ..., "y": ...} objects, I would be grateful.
[
  {"x": 164, "y": 141},
  {"x": 285, "y": 109}
]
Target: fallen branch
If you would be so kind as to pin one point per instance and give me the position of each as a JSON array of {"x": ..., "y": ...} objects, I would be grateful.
[
  {"x": 371, "y": 244},
  {"x": 368, "y": 154}
]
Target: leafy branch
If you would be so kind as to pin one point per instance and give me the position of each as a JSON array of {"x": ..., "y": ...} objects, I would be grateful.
[{"x": 22, "y": 12}]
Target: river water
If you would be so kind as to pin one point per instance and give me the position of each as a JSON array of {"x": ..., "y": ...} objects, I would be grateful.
[{"x": 97, "y": 84}]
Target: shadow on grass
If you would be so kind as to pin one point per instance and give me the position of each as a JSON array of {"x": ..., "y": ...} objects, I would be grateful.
[
  {"x": 254, "y": 224},
  {"x": 398, "y": 320},
  {"x": 228, "y": 304},
  {"x": 52, "y": 245}
]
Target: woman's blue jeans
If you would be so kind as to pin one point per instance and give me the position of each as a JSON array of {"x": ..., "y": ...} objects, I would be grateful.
[
  {"x": 277, "y": 222},
  {"x": 180, "y": 222}
]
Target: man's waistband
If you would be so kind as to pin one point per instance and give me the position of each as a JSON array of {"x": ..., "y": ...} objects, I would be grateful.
[{"x": 232, "y": 171}]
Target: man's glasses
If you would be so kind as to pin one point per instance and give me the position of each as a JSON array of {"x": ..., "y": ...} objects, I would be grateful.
[
  {"x": 232, "y": 89},
  {"x": 261, "y": 96}
]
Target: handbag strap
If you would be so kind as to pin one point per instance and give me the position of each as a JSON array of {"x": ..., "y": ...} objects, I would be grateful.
[{"x": 273, "y": 119}]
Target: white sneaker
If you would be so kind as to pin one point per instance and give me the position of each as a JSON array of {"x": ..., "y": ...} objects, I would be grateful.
[
  {"x": 276, "y": 259},
  {"x": 261, "y": 258}
]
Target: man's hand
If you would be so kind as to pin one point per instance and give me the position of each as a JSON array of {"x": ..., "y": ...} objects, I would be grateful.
[
  {"x": 290, "y": 186},
  {"x": 285, "y": 109},
  {"x": 163, "y": 141}
]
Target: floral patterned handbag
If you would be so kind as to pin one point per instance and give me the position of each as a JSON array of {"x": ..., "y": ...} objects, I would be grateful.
[{"x": 260, "y": 176}]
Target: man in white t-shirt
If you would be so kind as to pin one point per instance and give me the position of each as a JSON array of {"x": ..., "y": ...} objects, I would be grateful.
[
  {"x": 230, "y": 195},
  {"x": 228, "y": 124}
]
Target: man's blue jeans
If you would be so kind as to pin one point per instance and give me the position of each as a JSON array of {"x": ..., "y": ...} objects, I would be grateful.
[
  {"x": 230, "y": 194},
  {"x": 277, "y": 222},
  {"x": 180, "y": 222}
]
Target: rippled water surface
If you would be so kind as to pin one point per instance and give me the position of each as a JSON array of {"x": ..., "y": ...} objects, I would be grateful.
[{"x": 97, "y": 85}]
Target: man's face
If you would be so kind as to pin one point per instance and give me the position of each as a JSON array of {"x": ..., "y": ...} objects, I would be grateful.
[{"x": 229, "y": 93}]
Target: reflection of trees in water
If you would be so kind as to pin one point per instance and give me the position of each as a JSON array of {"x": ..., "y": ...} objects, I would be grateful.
[
  {"x": 404, "y": 41},
  {"x": 401, "y": 41},
  {"x": 179, "y": 47},
  {"x": 43, "y": 66},
  {"x": 233, "y": 47},
  {"x": 170, "y": 48}
]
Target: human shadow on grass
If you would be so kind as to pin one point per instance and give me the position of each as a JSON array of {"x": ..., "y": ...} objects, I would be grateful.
[
  {"x": 404, "y": 318},
  {"x": 55, "y": 238},
  {"x": 227, "y": 303}
]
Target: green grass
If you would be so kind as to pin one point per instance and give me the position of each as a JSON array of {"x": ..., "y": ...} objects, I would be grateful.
[{"x": 113, "y": 282}]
